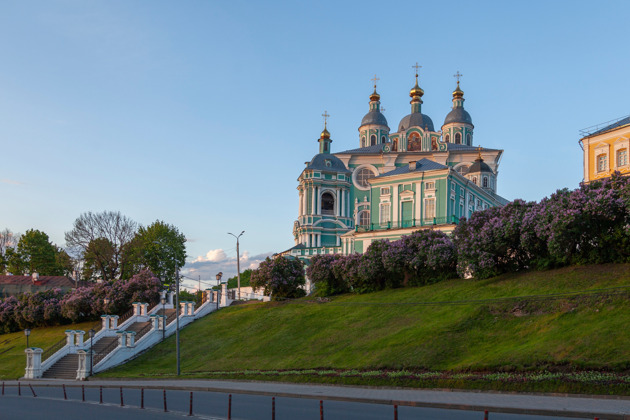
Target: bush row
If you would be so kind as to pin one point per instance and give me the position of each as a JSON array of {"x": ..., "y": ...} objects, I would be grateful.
[
  {"x": 588, "y": 225},
  {"x": 53, "y": 307}
]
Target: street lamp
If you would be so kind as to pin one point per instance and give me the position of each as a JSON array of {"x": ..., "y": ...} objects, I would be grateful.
[
  {"x": 238, "y": 263},
  {"x": 27, "y": 332},
  {"x": 106, "y": 302},
  {"x": 173, "y": 254},
  {"x": 219, "y": 275},
  {"x": 92, "y": 332},
  {"x": 163, "y": 316}
]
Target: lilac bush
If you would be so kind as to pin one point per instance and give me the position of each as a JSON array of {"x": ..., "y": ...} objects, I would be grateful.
[
  {"x": 423, "y": 257},
  {"x": 321, "y": 273},
  {"x": 279, "y": 277}
]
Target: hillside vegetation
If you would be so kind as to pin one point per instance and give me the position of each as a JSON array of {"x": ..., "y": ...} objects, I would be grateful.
[{"x": 508, "y": 323}]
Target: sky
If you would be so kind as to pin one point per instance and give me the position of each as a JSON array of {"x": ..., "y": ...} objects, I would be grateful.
[{"x": 202, "y": 113}]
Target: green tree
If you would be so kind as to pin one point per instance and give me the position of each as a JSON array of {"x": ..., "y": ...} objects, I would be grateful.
[
  {"x": 163, "y": 249},
  {"x": 245, "y": 277},
  {"x": 36, "y": 254}
]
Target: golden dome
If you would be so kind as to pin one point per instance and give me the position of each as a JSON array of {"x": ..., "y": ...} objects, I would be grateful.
[
  {"x": 416, "y": 90},
  {"x": 325, "y": 134},
  {"x": 458, "y": 93},
  {"x": 375, "y": 96}
]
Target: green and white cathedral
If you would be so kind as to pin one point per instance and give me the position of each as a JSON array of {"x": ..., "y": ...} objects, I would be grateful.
[{"x": 394, "y": 183}]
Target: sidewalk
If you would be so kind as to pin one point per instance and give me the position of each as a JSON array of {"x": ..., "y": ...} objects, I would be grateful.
[{"x": 610, "y": 408}]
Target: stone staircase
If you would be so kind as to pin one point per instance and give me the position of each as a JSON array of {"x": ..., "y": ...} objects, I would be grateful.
[
  {"x": 65, "y": 368},
  {"x": 117, "y": 342}
]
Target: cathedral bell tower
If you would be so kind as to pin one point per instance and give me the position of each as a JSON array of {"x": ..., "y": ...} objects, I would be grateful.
[{"x": 374, "y": 129}]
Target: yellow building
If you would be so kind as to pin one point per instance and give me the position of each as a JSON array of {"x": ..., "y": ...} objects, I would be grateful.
[{"x": 606, "y": 149}]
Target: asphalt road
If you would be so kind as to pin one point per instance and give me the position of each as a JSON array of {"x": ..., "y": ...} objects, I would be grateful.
[{"x": 50, "y": 403}]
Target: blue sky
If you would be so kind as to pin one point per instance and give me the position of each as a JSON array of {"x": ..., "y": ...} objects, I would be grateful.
[{"x": 202, "y": 113}]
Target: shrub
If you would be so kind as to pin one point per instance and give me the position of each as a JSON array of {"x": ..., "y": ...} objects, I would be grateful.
[
  {"x": 279, "y": 277},
  {"x": 321, "y": 273}
]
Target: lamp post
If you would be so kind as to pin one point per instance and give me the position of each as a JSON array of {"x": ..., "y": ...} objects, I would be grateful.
[
  {"x": 177, "y": 315},
  {"x": 91, "y": 349},
  {"x": 238, "y": 263},
  {"x": 219, "y": 275},
  {"x": 163, "y": 317},
  {"x": 27, "y": 332},
  {"x": 106, "y": 302}
]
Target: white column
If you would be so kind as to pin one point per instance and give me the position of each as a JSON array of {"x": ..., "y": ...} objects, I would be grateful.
[
  {"x": 319, "y": 240},
  {"x": 301, "y": 201},
  {"x": 313, "y": 200},
  {"x": 70, "y": 338},
  {"x": 33, "y": 363},
  {"x": 144, "y": 309},
  {"x": 136, "y": 308},
  {"x": 338, "y": 204},
  {"x": 79, "y": 338},
  {"x": 113, "y": 322},
  {"x": 419, "y": 201},
  {"x": 343, "y": 203},
  {"x": 105, "y": 321}
]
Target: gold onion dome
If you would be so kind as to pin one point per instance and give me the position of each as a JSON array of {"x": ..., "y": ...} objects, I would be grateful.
[
  {"x": 416, "y": 90},
  {"x": 375, "y": 96},
  {"x": 325, "y": 134},
  {"x": 458, "y": 93}
]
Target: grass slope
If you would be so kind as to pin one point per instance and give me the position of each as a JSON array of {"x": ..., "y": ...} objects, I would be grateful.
[
  {"x": 389, "y": 330},
  {"x": 12, "y": 346}
]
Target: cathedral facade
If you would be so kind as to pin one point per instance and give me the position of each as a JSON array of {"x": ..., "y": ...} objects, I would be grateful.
[{"x": 394, "y": 183}]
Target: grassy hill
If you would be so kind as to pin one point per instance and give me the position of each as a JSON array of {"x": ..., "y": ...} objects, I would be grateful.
[
  {"x": 565, "y": 319},
  {"x": 12, "y": 346}
]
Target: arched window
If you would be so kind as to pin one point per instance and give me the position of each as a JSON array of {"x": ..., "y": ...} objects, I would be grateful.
[
  {"x": 325, "y": 146},
  {"x": 364, "y": 218},
  {"x": 434, "y": 145},
  {"x": 485, "y": 182},
  {"x": 413, "y": 142},
  {"x": 468, "y": 142},
  {"x": 474, "y": 180},
  {"x": 328, "y": 204},
  {"x": 447, "y": 138},
  {"x": 362, "y": 176},
  {"x": 372, "y": 140},
  {"x": 382, "y": 139},
  {"x": 395, "y": 145},
  {"x": 458, "y": 138},
  {"x": 363, "y": 142}
]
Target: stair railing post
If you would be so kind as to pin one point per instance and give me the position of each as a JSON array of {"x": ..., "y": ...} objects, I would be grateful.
[
  {"x": 82, "y": 369},
  {"x": 33, "y": 363}
]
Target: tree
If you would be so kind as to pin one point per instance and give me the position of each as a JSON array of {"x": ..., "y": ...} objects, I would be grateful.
[
  {"x": 162, "y": 249},
  {"x": 8, "y": 241},
  {"x": 107, "y": 227},
  {"x": 36, "y": 254},
  {"x": 246, "y": 275},
  {"x": 280, "y": 277},
  {"x": 322, "y": 274}
]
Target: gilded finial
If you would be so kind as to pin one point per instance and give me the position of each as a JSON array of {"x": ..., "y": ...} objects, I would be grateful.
[
  {"x": 479, "y": 149},
  {"x": 416, "y": 91},
  {"x": 458, "y": 93},
  {"x": 325, "y": 133},
  {"x": 375, "y": 96}
]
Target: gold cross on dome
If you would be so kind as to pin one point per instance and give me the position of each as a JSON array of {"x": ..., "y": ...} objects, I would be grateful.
[
  {"x": 375, "y": 79},
  {"x": 416, "y": 67},
  {"x": 325, "y": 115},
  {"x": 457, "y": 76}
]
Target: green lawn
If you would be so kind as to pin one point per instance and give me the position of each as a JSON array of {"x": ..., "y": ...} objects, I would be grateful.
[
  {"x": 12, "y": 356},
  {"x": 389, "y": 330}
]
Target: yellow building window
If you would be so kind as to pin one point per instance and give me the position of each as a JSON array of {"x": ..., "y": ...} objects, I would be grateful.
[
  {"x": 622, "y": 157},
  {"x": 601, "y": 163}
]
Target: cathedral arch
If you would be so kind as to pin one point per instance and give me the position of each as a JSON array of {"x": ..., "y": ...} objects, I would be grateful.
[
  {"x": 458, "y": 138},
  {"x": 372, "y": 139},
  {"x": 328, "y": 204}
]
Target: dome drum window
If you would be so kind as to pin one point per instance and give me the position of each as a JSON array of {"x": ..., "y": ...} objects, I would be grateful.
[{"x": 458, "y": 138}]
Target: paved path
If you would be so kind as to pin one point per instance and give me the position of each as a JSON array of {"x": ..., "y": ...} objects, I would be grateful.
[{"x": 611, "y": 408}]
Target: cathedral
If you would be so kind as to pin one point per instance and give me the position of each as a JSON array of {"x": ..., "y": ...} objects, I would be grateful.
[{"x": 394, "y": 183}]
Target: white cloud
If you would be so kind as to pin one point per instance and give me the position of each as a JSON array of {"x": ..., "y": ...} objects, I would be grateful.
[
  {"x": 214, "y": 255},
  {"x": 216, "y": 260}
]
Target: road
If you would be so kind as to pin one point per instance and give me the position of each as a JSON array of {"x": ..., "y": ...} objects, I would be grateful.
[{"x": 51, "y": 404}]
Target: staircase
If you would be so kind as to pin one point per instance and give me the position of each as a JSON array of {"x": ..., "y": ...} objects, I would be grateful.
[
  {"x": 65, "y": 368},
  {"x": 115, "y": 342}
]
